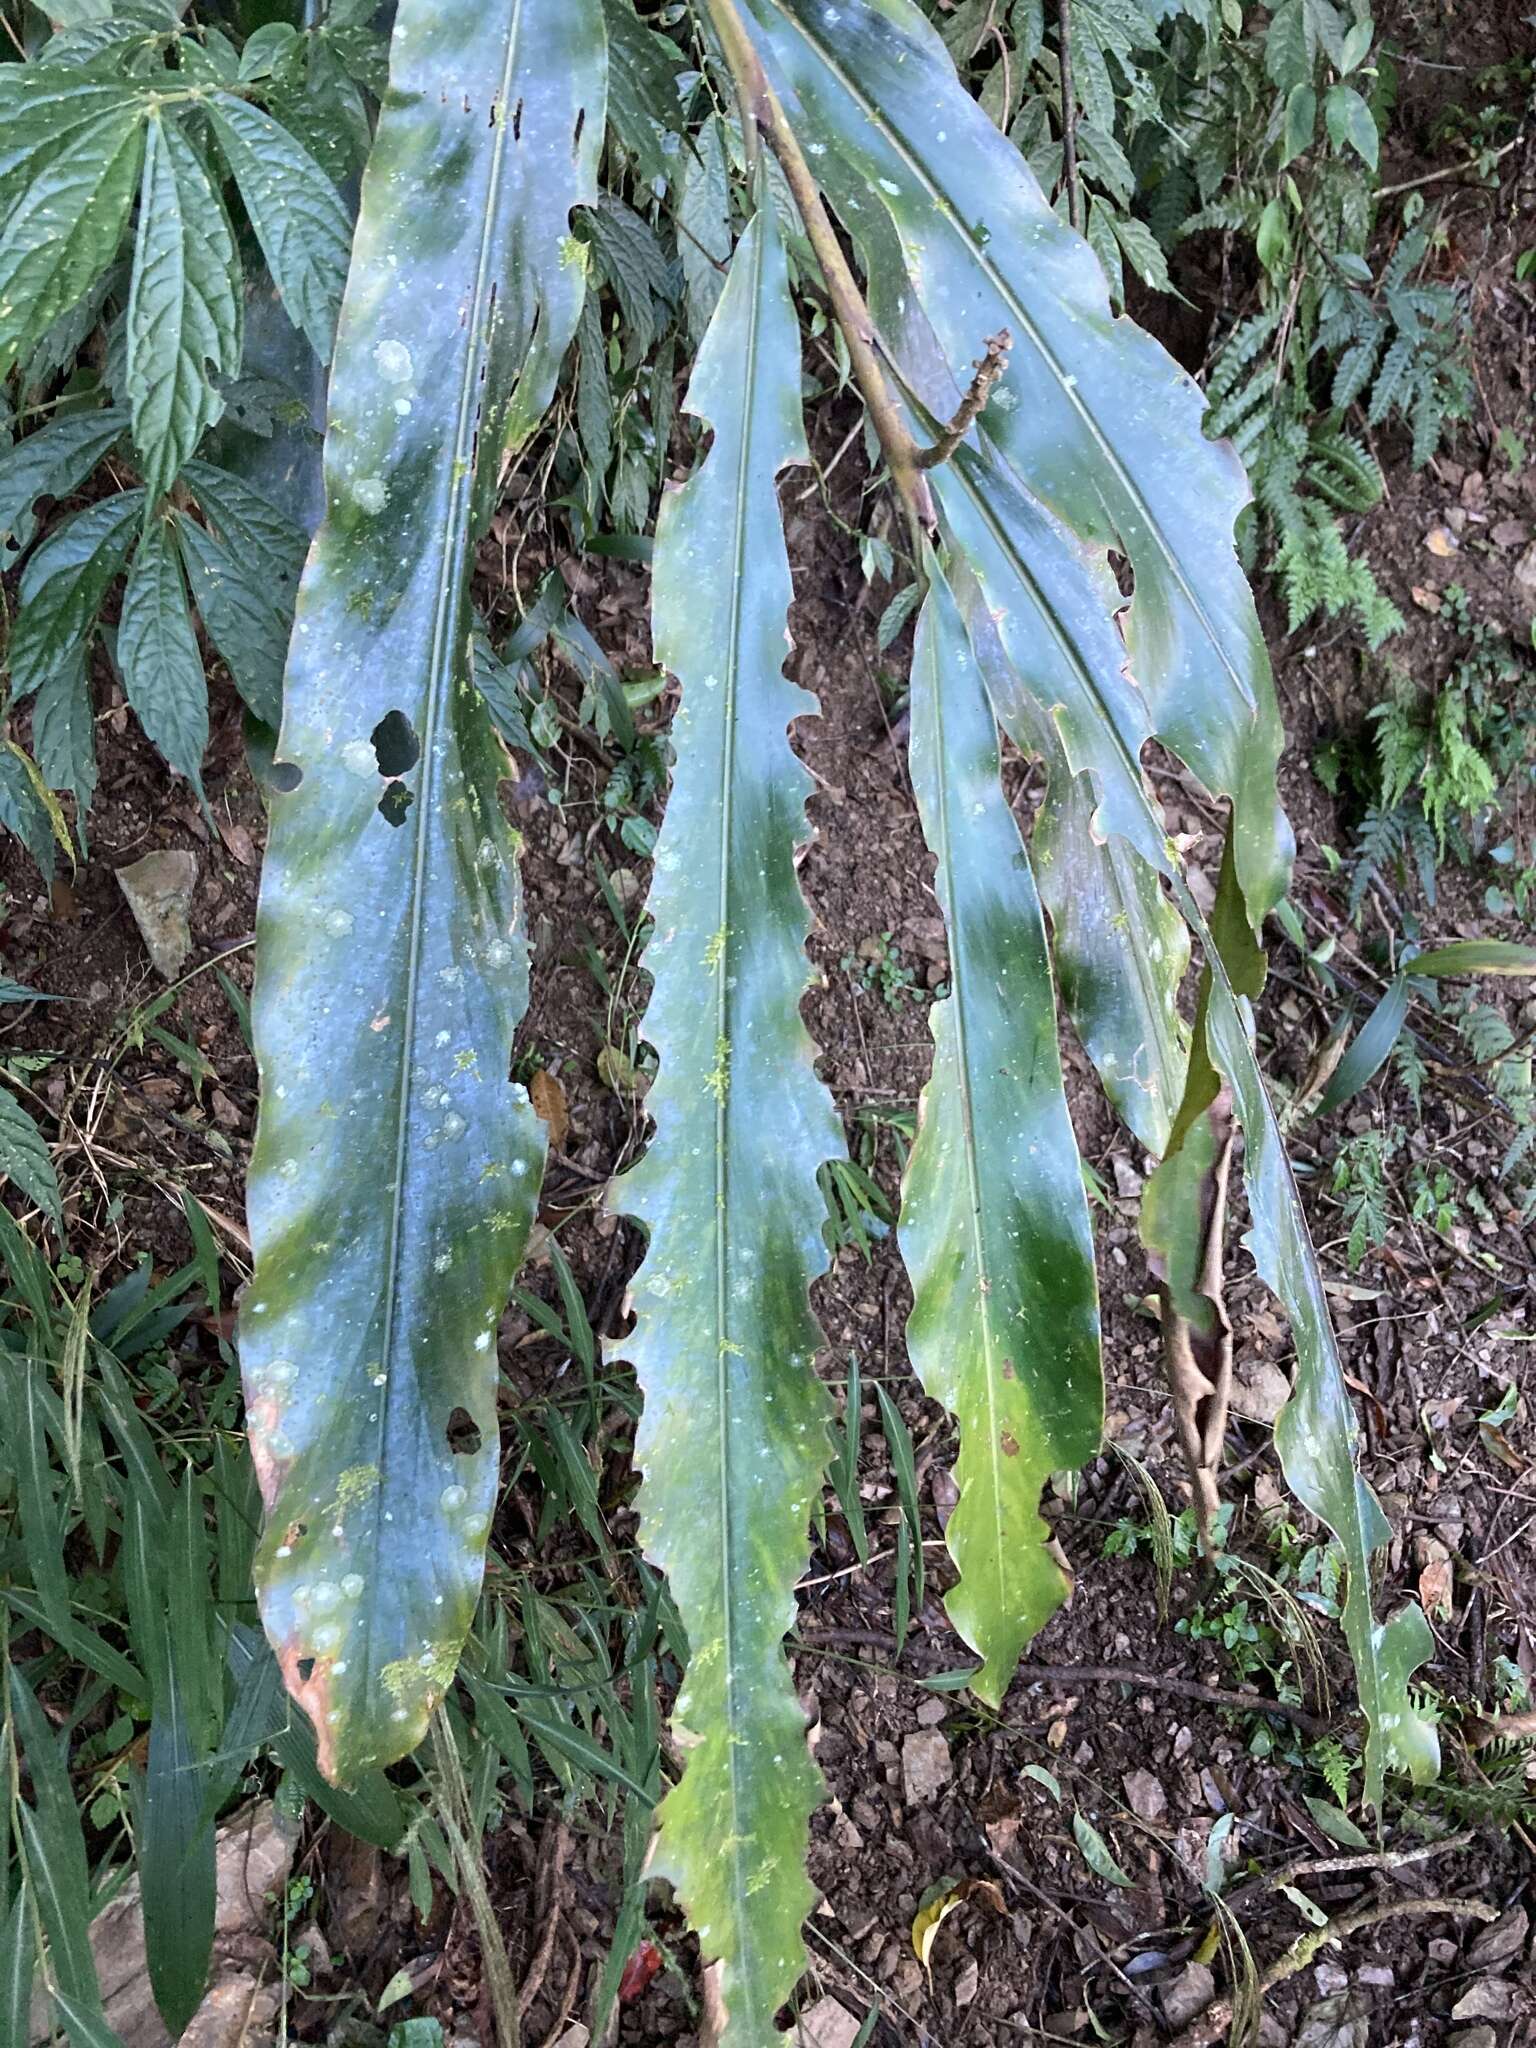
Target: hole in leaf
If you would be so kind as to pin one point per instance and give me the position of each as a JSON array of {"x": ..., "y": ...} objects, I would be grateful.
[
  {"x": 285, "y": 776},
  {"x": 395, "y": 745},
  {"x": 306, "y": 1670},
  {"x": 463, "y": 1433},
  {"x": 517, "y": 122},
  {"x": 581, "y": 122},
  {"x": 394, "y": 803}
]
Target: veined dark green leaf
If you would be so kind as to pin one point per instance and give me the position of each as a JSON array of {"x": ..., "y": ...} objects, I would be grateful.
[
  {"x": 62, "y": 223},
  {"x": 994, "y": 1222},
  {"x": 24, "y": 1156},
  {"x": 297, "y": 213},
  {"x": 62, "y": 587},
  {"x": 158, "y": 654},
  {"x": 52, "y": 462},
  {"x": 184, "y": 310},
  {"x": 734, "y": 1437},
  {"x": 243, "y": 613},
  {"x": 1097, "y": 419},
  {"x": 395, "y": 1170}
]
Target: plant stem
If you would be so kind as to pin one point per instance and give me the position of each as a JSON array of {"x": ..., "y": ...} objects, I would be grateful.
[
  {"x": 761, "y": 106},
  {"x": 1068, "y": 116}
]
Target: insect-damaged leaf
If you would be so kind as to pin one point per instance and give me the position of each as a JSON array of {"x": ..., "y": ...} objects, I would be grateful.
[
  {"x": 734, "y": 1437},
  {"x": 395, "y": 1169},
  {"x": 994, "y": 1222}
]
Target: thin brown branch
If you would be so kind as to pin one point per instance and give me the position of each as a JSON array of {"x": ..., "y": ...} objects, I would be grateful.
[
  {"x": 1216, "y": 2019},
  {"x": 759, "y": 100},
  {"x": 1068, "y": 116},
  {"x": 988, "y": 368}
]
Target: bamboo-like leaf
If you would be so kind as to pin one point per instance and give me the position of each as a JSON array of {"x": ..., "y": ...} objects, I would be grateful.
[
  {"x": 184, "y": 310},
  {"x": 1097, "y": 419},
  {"x": 734, "y": 1437},
  {"x": 395, "y": 1169},
  {"x": 994, "y": 1221}
]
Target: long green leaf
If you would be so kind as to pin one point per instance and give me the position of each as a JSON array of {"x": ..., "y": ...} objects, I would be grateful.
[
  {"x": 1315, "y": 1432},
  {"x": 62, "y": 586},
  {"x": 734, "y": 1438},
  {"x": 54, "y": 1849},
  {"x": 994, "y": 1221},
  {"x": 1097, "y": 419},
  {"x": 184, "y": 309},
  {"x": 395, "y": 1170},
  {"x": 1122, "y": 998}
]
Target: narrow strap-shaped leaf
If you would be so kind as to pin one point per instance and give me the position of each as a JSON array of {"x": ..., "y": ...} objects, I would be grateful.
[
  {"x": 1122, "y": 997},
  {"x": 1064, "y": 662},
  {"x": 27, "y": 1404},
  {"x": 1097, "y": 418},
  {"x": 396, "y": 1168},
  {"x": 733, "y": 1441},
  {"x": 18, "y": 1959},
  {"x": 184, "y": 310},
  {"x": 54, "y": 1850},
  {"x": 1316, "y": 1432},
  {"x": 994, "y": 1220}
]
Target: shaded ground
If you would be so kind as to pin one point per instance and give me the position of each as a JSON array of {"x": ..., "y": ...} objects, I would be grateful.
[{"x": 922, "y": 1786}]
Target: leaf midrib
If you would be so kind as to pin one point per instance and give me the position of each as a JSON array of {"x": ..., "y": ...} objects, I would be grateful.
[
  {"x": 723, "y": 978},
  {"x": 446, "y": 604}
]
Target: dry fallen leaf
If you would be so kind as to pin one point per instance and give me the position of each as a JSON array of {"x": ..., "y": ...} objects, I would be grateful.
[
  {"x": 940, "y": 1900},
  {"x": 548, "y": 1099},
  {"x": 1441, "y": 541},
  {"x": 1426, "y": 600}
]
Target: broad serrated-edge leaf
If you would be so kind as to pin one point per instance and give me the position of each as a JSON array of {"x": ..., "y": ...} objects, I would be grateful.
[
  {"x": 24, "y": 1156},
  {"x": 184, "y": 306},
  {"x": 157, "y": 651},
  {"x": 396, "y": 1167},
  {"x": 994, "y": 1225},
  {"x": 62, "y": 230},
  {"x": 62, "y": 586},
  {"x": 734, "y": 1439},
  {"x": 295, "y": 210}
]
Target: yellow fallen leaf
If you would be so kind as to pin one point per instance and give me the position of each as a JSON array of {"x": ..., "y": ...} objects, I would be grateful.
[{"x": 940, "y": 1900}]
